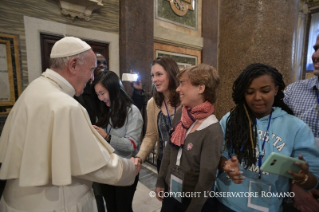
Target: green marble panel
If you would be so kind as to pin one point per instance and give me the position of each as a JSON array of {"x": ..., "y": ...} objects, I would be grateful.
[{"x": 165, "y": 12}]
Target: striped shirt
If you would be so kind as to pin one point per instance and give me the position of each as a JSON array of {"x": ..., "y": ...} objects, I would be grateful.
[{"x": 302, "y": 98}]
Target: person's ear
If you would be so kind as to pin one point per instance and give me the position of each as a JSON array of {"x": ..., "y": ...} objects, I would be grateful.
[
  {"x": 72, "y": 65},
  {"x": 201, "y": 89}
]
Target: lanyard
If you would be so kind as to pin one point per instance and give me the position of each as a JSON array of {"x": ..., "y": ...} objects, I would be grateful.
[
  {"x": 261, "y": 150},
  {"x": 317, "y": 99},
  {"x": 109, "y": 130},
  {"x": 169, "y": 118}
]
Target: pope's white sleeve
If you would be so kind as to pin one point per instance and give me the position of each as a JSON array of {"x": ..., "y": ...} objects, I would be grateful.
[{"x": 118, "y": 171}]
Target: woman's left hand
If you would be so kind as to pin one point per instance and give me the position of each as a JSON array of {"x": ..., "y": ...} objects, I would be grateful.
[
  {"x": 159, "y": 193},
  {"x": 100, "y": 131},
  {"x": 304, "y": 200},
  {"x": 302, "y": 176}
]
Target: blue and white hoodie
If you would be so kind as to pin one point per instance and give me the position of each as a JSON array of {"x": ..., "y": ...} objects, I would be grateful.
[{"x": 288, "y": 135}]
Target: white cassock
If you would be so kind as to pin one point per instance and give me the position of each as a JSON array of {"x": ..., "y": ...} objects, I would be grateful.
[{"x": 50, "y": 153}]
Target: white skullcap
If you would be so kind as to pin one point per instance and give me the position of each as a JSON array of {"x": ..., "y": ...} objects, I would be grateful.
[{"x": 68, "y": 46}]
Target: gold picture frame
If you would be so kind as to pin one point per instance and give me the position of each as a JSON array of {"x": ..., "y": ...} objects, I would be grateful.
[{"x": 10, "y": 72}]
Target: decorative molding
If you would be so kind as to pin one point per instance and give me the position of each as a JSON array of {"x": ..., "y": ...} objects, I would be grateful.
[
  {"x": 80, "y": 8},
  {"x": 177, "y": 44},
  {"x": 181, "y": 7},
  {"x": 175, "y": 38},
  {"x": 303, "y": 8}
]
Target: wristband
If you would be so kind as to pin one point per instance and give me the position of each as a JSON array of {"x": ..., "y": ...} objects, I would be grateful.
[
  {"x": 303, "y": 181},
  {"x": 108, "y": 138}
]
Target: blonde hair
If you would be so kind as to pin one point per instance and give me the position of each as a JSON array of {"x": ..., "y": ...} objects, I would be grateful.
[{"x": 203, "y": 74}]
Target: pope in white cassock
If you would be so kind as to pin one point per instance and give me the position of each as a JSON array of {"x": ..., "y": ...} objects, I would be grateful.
[{"x": 49, "y": 151}]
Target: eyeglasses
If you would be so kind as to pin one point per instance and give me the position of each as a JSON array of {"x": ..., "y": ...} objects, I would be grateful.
[{"x": 104, "y": 62}]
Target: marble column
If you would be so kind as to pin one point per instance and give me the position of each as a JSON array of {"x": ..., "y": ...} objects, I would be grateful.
[
  {"x": 136, "y": 40},
  {"x": 210, "y": 31},
  {"x": 252, "y": 31}
]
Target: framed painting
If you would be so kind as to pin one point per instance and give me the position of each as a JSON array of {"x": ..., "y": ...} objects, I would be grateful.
[
  {"x": 10, "y": 72},
  {"x": 182, "y": 60}
]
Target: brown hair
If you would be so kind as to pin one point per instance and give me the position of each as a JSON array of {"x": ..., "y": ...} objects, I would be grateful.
[
  {"x": 170, "y": 66},
  {"x": 203, "y": 75}
]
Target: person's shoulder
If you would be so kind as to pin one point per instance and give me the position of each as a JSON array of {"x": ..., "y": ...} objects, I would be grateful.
[
  {"x": 133, "y": 108},
  {"x": 60, "y": 100},
  {"x": 291, "y": 120},
  {"x": 179, "y": 110},
  {"x": 214, "y": 122},
  {"x": 224, "y": 118},
  {"x": 178, "y": 113},
  {"x": 151, "y": 101},
  {"x": 152, "y": 104},
  {"x": 134, "y": 111},
  {"x": 302, "y": 83}
]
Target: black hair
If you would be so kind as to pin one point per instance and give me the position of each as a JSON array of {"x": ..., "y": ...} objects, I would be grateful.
[
  {"x": 120, "y": 100},
  {"x": 241, "y": 130}
]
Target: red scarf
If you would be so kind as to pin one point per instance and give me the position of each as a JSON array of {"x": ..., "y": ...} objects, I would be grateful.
[{"x": 189, "y": 116}]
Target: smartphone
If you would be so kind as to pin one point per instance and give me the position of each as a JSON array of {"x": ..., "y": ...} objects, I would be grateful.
[
  {"x": 129, "y": 77},
  {"x": 280, "y": 164}
]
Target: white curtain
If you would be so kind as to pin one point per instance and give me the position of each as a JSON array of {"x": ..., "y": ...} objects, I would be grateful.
[
  {"x": 313, "y": 32},
  {"x": 298, "y": 39}
]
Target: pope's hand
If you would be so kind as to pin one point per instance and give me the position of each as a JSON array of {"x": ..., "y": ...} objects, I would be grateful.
[{"x": 137, "y": 164}]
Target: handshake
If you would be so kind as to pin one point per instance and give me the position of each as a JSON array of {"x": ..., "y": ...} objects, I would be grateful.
[{"x": 138, "y": 164}]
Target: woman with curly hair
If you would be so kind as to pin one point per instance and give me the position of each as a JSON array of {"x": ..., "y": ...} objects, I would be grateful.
[{"x": 259, "y": 124}]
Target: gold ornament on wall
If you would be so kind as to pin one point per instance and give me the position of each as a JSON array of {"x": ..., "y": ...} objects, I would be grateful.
[{"x": 181, "y": 7}]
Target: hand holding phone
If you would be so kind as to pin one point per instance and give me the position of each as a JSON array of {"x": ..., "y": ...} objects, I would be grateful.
[
  {"x": 281, "y": 164},
  {"x": 137, "y": 84},
  {"x": 129, "y": 77}
]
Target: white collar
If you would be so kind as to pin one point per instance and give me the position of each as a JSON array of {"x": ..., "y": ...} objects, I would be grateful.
[
  {"x": 60, "y": 80},
  {"x": 207, "y": 122},
  {"x": 57, "y": 75}
]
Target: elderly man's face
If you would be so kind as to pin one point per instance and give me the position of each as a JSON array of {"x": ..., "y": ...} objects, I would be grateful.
[
  {"x": 315, "y": 58},
  {"x": 101, "y": 64},
  {"x": 85, "y": 73}
]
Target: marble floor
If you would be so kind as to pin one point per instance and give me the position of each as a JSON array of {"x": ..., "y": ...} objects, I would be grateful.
[{"x": 142, "y": 202}]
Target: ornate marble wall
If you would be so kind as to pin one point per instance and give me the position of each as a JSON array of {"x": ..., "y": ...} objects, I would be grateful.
[{"x": 254, "y": 31}]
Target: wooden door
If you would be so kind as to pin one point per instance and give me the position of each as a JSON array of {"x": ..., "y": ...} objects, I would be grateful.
[{"x": 47, "y": 42}]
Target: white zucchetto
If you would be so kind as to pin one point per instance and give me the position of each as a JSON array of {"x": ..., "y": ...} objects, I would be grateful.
[{"x": 68, "y": 46}]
